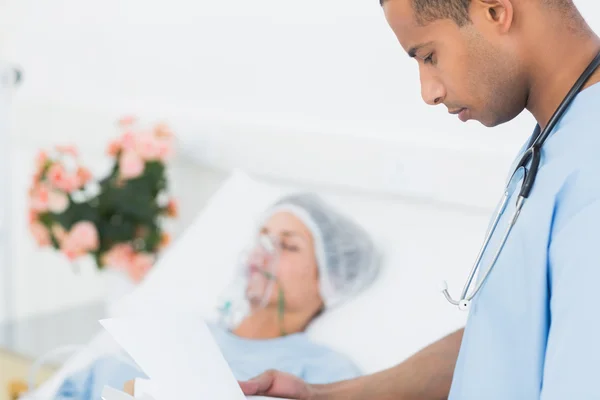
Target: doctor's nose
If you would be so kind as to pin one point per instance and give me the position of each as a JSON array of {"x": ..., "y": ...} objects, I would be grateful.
[{"x": 432, "y": 91}]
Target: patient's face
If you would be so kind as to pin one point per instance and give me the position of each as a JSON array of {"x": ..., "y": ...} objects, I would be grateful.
[{"x": 297, "y": 272}]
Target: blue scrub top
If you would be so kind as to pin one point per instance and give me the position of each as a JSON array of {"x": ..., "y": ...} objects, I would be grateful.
[{"x": 533, "y": 330}]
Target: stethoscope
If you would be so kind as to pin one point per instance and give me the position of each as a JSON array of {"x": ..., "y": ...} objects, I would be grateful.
[{"x": 533, "y": 154}]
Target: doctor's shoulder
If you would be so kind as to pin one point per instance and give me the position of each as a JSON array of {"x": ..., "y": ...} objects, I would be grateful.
[
  {"x": 573, "y": 161},
  {"x": 579, "y": 191}
]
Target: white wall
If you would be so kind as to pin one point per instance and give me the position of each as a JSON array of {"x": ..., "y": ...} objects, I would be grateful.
[{"x": 6, "y": 270}]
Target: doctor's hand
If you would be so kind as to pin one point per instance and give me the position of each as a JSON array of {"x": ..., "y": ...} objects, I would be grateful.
[{"x": 278, "y": 384}]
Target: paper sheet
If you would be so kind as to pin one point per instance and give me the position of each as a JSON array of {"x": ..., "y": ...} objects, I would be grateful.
[
  {"x": 179, "y": 354},
  {"x": 144, "y": 387}
]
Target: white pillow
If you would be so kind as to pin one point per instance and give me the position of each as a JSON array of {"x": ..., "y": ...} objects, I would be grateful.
[
  {"x": 403, "y": 310},
  {"x": 400, "y": 313},
  {"x": 196, "y": 268}
]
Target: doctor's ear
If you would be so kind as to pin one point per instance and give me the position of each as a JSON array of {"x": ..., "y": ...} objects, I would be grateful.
[{"x": 498, "y": 12}]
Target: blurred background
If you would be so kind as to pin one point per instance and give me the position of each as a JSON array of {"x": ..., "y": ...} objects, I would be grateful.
[{"x": 313, "y": 91}]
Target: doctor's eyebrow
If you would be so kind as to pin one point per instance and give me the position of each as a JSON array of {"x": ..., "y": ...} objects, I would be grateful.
[{"x": 412, "y": 52}]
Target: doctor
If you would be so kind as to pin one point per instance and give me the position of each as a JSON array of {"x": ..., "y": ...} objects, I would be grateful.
[{"x": 534, "y": 326}]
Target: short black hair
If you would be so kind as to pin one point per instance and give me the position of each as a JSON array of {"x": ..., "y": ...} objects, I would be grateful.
[
  {"x": 431, "y": 10},
  {"x": 427, "y": 11}
]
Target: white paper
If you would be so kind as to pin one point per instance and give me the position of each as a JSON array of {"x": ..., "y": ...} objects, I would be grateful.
[
  {"x": 178, "y": 354},
  {"x": 144, "y": 387}
]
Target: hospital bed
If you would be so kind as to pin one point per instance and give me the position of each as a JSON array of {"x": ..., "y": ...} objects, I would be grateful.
[{"x": 403, "y": 311}]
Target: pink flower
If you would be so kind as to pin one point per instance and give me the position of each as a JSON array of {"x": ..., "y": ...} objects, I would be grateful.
[
  {"x": 161, "y": 130},
  {"x": 85, "y": 235},
  {"x": 83, "y": 176},
  {"x": 172, "y": 208},
  {"x": 148, "y": 147},
  {"x": 32, "y": 216},
  {"x": 71, "y": 150},
  {"x": 123, "y": 256},
  {"x": 82, "y": 238},
  {"x": 36, "y": 178},
  {"x": 131, "y": 165},
  {"x": 165, "y": 150},
  {"x": 119, "y": 256},
  {"x": 56, "y": 174},
  {"x": 57, "y": 201},
  {"x": 113, "y": 148},
  {"x": 128, "y": 141},
  {"x": 39, "y": 197},
  {"x": 61, "y": 179},
  {"x": 139, "y": 266},
  {"x": 70, "y": 249},
  {"x": 40, "y": 233},
  {"x": 60, "y": 234},
  {"x": 165, "y": 240},
  {"x": 127, "y": 120},
  {"x": 41, "y": 160}
]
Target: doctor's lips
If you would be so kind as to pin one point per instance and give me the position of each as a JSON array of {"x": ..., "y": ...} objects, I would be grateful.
[{"x": 463, "y": 113}]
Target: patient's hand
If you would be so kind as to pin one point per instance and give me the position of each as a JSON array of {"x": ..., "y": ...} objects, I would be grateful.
[
  {"x": 277, "y": 384},
  {"x": 128, "y": 387}
]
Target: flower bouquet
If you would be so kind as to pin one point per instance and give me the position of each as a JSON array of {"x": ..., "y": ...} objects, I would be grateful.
[{"x": 118, "y": 219}]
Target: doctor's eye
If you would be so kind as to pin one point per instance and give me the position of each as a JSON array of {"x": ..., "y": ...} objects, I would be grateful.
[{"x": 428, "y": 59}]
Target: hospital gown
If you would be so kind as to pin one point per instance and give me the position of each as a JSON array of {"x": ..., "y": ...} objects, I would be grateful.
[
  {"x": 533, "y": 329},
  {"x": 294, "y": 354}
]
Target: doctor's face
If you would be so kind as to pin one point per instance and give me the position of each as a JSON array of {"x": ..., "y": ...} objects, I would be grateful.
[{"x": 472, "y": 69}]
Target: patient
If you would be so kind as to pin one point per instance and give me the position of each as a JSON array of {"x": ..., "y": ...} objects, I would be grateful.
[{"x": 322, "y": 258}]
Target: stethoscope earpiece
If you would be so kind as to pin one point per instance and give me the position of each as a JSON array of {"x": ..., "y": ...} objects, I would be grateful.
[
  {"x": 464, "y": 305},
  {"x": 443, "y": 286}
]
